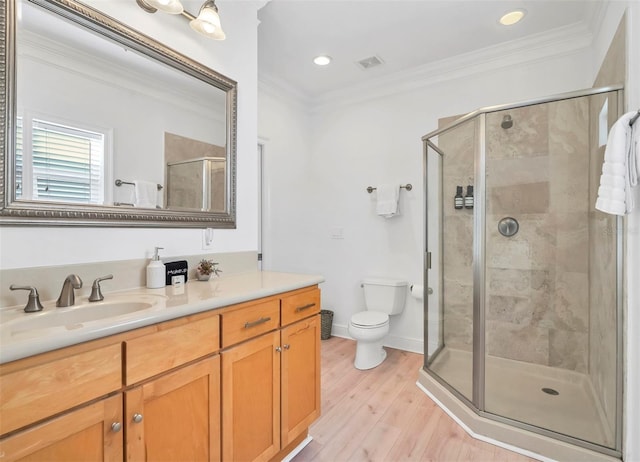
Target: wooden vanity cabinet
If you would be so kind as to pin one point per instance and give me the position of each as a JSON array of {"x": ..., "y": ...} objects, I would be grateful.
[
  {"x": 176, "y": 416},
  {"x": 251, "y": 399},
  {"x": 300, "y": 378},
  {"x": 63, "y": 405},
  {"x": 172, "y": 398},
  {"x": 241, "y": 383},
  {"x": 271, "y": 382},
  {"x": 92, "y": 433}
]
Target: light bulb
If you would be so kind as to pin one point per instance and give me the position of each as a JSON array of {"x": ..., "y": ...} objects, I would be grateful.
[{"x": 512, "y": 17}]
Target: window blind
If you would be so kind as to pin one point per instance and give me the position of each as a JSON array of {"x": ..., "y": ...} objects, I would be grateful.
[{"x": 67, "y": 163}]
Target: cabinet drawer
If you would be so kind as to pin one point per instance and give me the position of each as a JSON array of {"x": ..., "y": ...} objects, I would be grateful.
[
  {"x": 299, "y": 306},
  {"x": 40, "y": 391},
  {"x": 161, "y": 351},
  {"x": 249, "y": 322}
]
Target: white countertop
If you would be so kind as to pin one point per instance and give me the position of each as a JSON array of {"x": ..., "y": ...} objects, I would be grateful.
[{"x": 169, "y": 303}]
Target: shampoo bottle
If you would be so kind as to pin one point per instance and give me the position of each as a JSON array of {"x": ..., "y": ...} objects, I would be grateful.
[
  {"x": 156, "y": 276},
  {"x": 468, "y": 199},
  {"x": 458, "y": 200}
]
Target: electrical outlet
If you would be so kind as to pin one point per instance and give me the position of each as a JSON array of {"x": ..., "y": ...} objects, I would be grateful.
[{"x": 207, "y": 239}]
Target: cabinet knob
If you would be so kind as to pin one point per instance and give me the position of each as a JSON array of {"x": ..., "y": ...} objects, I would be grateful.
[
  {"x": 278, "y": 349},
  {"x": 137, "y": 418},
  {"x": 116, "y": 427},
  {"x": 286, "y": 346}
]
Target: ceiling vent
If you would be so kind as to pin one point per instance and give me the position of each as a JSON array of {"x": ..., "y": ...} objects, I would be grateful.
[{"x": 368, "y": 63}]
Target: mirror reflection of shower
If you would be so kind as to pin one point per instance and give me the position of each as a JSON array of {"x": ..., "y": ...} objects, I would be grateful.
[{"x": 507, "y": 122}]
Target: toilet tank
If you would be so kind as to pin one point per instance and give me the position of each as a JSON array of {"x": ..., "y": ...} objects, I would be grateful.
[{"x": 385, "y": 295}]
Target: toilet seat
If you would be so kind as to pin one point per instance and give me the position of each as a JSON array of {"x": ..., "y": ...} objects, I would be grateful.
[{"x": 369, "y": 319}]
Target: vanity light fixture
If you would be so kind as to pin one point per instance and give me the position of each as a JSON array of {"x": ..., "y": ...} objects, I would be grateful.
[
  {"x": 322, "y": 60},
  {"x": 512, "y": 17},
  {"x": 206, "y": 23},
  {"x": 166, "y": 6}
]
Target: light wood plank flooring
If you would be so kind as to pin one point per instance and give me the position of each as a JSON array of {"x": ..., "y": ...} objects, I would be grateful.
[{"x": 381, "y": 415}]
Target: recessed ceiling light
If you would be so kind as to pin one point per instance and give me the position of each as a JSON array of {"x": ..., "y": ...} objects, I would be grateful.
[
  {"x": 512, "y": 17},
  {"x": 322, "y": 60}
]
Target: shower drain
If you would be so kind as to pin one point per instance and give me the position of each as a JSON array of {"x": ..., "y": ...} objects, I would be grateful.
[{"x": 551, "y": 391}]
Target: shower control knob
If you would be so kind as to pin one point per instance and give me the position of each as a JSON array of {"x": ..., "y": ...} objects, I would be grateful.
[{"x": 508, "y": 226}]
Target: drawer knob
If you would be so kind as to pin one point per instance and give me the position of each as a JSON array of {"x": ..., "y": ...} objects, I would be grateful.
[
  {"x": 137, "y": 418},
  {"x": 286, "y": 346},
  {"x": 116, "y": 427},
  {"x": 278, "y": 349}
]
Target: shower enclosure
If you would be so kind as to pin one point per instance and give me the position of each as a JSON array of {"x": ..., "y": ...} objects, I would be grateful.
[{"x": 524, "y": 322}]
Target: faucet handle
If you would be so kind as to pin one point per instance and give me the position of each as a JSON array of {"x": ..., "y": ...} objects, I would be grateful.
[
  {"x": 96, "y": 292},
  {"x": 33, "y": 304}
]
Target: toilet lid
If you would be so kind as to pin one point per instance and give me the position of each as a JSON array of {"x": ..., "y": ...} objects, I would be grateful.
[{"x": 369, "y": 319}]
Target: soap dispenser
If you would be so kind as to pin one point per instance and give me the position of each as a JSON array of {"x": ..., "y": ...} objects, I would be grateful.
[{"x": 156, "y": 273}]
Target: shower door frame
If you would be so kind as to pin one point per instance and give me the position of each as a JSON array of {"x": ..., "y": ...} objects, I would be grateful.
[{"x": 477, "y": 404}]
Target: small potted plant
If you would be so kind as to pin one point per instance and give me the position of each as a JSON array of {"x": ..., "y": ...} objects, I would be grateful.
[{"x": 206, "y": 268}]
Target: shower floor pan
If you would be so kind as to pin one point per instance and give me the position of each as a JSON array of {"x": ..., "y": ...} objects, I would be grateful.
[{"x": 514, "y": 389}]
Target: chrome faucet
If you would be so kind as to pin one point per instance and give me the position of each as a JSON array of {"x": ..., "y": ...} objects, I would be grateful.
[{"x": 67, "y": 296}]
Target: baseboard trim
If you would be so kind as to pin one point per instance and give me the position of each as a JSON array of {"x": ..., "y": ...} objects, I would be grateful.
[
  {"x": 297, "y": 449},
  {"x": 391, "y": 341}
]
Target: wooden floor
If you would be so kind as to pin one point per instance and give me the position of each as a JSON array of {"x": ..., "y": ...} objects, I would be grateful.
[{"x": 381, "y": 415}]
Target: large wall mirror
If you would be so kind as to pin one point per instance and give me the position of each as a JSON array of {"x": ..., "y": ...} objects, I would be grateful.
[{"x": 103, "y": 126}]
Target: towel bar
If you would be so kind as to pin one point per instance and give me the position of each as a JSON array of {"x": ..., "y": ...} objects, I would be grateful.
[
  {"x": 634, "y": 118},
  {"x": 407, "y": 186},
  {"x": 120, "y": 182}
]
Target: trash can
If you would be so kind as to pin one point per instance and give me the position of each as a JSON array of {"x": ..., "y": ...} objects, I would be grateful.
[{"x": 326, "y": 320}]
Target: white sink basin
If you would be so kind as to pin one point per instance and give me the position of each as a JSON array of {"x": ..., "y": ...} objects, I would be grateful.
[{"x": 75, "y": 317}]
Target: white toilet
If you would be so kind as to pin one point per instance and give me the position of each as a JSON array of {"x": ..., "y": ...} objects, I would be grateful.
[{"x": 382, "y": 297}]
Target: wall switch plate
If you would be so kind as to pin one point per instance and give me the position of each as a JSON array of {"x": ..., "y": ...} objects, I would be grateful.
[
  {"x": 207, "y": 239},
  {"x": 336, "y": 233}
]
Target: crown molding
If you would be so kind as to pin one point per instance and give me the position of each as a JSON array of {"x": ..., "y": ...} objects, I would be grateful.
[
  {"x": 280, "y": 89},
  {"x": 560, "y": 42}
]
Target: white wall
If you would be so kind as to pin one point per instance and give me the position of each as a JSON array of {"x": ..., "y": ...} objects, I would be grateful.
[
  {"x": 236, "y": 58},
  {"x": 372, "y": 142},
  {"x": 285, "y": 131}
]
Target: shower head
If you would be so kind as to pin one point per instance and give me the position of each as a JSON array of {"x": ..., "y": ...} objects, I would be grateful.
[{"x": 507, "y": 122}]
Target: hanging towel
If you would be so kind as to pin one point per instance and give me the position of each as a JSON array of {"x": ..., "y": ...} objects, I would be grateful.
[
  {"x": 620, "y": 169},
  {"x": 387, "y": 205},
  {"x": 146, "y": 194}
]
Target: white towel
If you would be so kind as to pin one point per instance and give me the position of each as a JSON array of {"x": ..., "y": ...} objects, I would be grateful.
[
  {"x": 146, "y": 194},
  {"x": 387, "y": 205},
  {"x": 620, "y": 169}
]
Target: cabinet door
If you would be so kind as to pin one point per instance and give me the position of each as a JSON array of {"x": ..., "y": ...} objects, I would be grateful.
[
  {"x": 300, "y": 377},
  {"x": 176, "y": 416},
  {"x": 251, "y": 400},
  {"x": 87, "y": 434}
]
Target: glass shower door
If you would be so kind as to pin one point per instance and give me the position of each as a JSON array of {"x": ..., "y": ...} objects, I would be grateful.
[
  {"x": 550, "y": 321},
  {"x": 450, "y": 236}
]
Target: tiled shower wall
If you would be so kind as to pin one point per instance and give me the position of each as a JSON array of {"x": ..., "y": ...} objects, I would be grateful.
[
  {"x": 537, "y": 306},
  {"x": 459, "y": 146}
]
